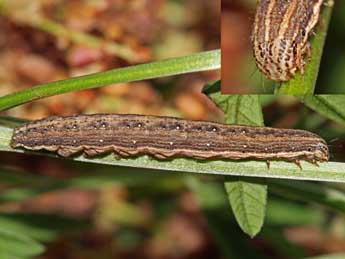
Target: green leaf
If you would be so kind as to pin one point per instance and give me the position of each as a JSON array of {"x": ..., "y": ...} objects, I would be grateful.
[
  {"x": 208, "y": 60},
  {"x": 249, "y": 209},
  {"x": 248, "y": 202},
  {"x": 305, "y": 84},
  {"x": 239, "y": 109},
  {"x": 330, "y": 106},
  {"x": 13, "y": 244}
]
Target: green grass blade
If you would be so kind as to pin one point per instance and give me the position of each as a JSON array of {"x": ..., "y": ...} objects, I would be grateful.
[
  {"x": 305, "y": 84},
  {"x": 330, "y": 106},
  {"x": 331, "y": 171},
  {"x": 208, "y": 60}
]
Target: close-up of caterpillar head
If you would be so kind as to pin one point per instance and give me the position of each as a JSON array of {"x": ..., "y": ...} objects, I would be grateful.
[{"x": 318, "y": 152}]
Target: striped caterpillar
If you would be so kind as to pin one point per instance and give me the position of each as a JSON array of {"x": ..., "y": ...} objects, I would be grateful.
[
  {"x": 165, "y": 137},
  {"x": 280, "y": 35}
]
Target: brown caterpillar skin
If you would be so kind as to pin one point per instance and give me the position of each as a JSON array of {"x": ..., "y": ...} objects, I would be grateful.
[
  {"x": 280, "y": 35},
  {"x": 164, "y": 137}
]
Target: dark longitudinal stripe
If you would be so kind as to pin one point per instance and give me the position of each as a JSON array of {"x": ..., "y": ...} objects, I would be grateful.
[
  {"x": 164, "y": 137},
  {"x": 260, "y": 26},
  {"x": 280, "y": 35},
  {"x": 277, "y": 16}
]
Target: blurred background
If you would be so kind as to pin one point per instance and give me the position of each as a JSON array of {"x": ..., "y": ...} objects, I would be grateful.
[
  {"x": 42, "y": 41},
  {"x": 239, "y": 72}
]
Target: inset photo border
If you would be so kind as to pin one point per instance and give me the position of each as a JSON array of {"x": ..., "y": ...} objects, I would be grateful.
[{"x": 282, "y": 47}]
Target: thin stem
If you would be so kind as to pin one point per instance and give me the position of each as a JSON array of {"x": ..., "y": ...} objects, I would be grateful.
[{"x": 208, "y": 60}]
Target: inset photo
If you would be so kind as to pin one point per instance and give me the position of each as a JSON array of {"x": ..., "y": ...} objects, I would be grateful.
[{"x": 282, "y": 47}]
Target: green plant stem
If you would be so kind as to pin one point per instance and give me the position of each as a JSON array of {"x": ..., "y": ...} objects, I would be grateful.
[
  {"x": 331, "y": 171},
  {"x": 305, "y": 84},
  {"x": 208, "y": 60}
]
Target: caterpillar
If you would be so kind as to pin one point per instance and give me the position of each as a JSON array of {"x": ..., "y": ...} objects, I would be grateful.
[
  {"x": 165, "y": 137},
  {"x": 280, "y": 36}
]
